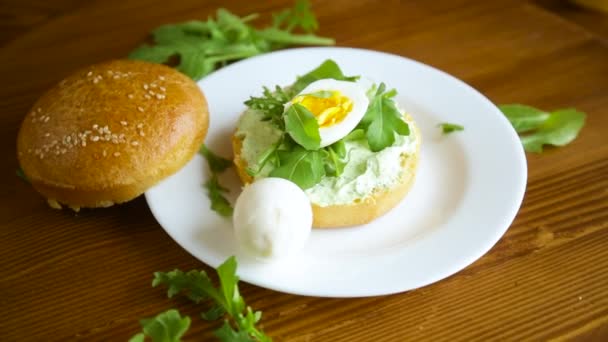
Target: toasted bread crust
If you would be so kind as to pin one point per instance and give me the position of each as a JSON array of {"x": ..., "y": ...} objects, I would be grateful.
[{"x": 360, "y": 212}]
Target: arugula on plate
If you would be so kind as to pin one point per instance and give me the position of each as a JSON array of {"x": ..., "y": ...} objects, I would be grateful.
[
  {"x": 538, "y": 128},
  {"x": 447, "y": 128},
  {"x": 215, "y": 190},
  {"x": 225, "y": 302},
  {"x": 202, "y": 46},
  {"x": 382, "y": 120},
  {"x": 297, "y": 155}
]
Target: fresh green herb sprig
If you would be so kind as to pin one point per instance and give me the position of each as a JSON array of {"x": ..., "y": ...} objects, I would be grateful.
[
  {"x": 382, "y": 120},
  {"x": 447, "y": 128},
  {"x": 167, "y": 326},
  {"x": 225, "y": 301},
  {"x": 19, "y": 172},
  {"x": 203, "y": 46},
  {"x": 537, "y": 128},
  {"x": 215, "y": 190}
]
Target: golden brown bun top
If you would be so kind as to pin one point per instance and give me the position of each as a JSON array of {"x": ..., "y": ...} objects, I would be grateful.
[{"x": 110, "y": 124}]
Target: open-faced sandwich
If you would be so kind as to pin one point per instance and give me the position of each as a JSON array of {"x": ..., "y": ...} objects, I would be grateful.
[{"x": 345, "y": 142}]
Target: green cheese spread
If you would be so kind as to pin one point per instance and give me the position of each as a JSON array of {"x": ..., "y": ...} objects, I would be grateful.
[{"x": 364, "y": 173}]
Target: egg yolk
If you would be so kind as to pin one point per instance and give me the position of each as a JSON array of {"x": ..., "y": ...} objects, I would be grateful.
[{"x": 329, "y": 107}]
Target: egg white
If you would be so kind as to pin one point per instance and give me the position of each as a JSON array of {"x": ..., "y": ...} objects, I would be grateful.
[{"x": 352, "y": 90}]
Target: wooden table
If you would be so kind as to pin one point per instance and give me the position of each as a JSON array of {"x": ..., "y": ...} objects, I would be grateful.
[{"x": 68, "y": 276}]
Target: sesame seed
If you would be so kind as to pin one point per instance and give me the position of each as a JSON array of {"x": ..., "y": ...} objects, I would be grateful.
[
  {"x": 95, "y": 126},
  {"x": 100, "y": 77},
  {"x": 163, "y": 89},
  {"x": 39, "y": 110},
  {"x": 147, "y": 96},
  {"x": 95, "y": 138},
  {"x": 106, "y": 129},
  {"x": 153, "y": 85},
  {"x": 151, "y": 93},
  {"x": 124, "y": 123},
  {"x": 140, "y": 125},
  {"x": 130, "y": 96},
  {"x": 107, "y": 137},
  {"x": 95, "y": 80},
  {"x": 47, "y": 118},
  {"x": 162, "y": 78},
  {"x": 116, "y": 77},
  {"x": 63, "y": 151},
  {"x": 57, "y": 152},
  {"x": 116, "y": 154},
  {"x": 110, "y": 72},
  {"x": 47, "y": 135},
  {"x": 134, "y": 143},
  {"x": 160, "y": 96},
  {"x": 90, "y": 73},
  {"x": 41, "y": 155},
  {"x": 104, "y": 153},
  {"x": 84, "y": 143},
  {"x": 140, "y": 109},
  {"x": 68, "y": 138},
  {"x": 145, "y": 86},
  {"x": 141, "y": 133}
]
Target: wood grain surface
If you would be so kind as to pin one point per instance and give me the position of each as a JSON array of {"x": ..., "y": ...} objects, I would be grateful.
[{"x": 87, "y": 276}]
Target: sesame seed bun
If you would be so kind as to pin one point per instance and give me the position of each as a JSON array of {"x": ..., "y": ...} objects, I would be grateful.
[
  {"x": 110, "y": 131},
  {"x": 362, "y": 210}
]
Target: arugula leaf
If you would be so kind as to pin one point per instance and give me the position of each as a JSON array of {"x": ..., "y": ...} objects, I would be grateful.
[
  {"x": 524, "y": 118},
  {"x": 271, "y": 104},
  {"x": 382, "y": 120},
  {"x": 298, "y": 16},
  {"x": 356, "y": 134},
  {"x": 227, "y": 299},
  {"x": 303, "y": 167},
  {"x": 203, "y": 46},
  {"x": 196, "y": 285},
  {"x": 215, "y": 191},
  {"x": 447, "y": 128},
  {"x": 216, "y": 163},
  {"x": 214, "y": 313},
  {"x": 538, "y": 128},
  {"x": 327, "y": 69},
  {"x": 19, "y": 172},
  {"x": 219, "y": 203},
  {"x": 227, "y": 334},
  {"x": 302, "y": 126},
  {"x": 560, "y": 128},
  {"x": 167, "y": 326}
]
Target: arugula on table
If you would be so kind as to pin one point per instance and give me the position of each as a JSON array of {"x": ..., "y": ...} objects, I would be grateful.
[
  {"x": 225, "y": 302},
  {"x": 382, "y": 120},
  {"x": 19, "y": 172},
  {"x": 167, "y": 326},
  {"x": 538, "y": 128},
  {"x": 204, "y": 45},
  {"x": 215, "y": 190},
  {"x": 447, "y": 128}
]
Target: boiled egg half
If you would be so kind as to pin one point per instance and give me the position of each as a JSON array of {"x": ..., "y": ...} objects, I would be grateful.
[{"x": 338, "y": 107}]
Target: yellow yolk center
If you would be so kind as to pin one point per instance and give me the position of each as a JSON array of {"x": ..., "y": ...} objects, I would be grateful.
[{"x": 329, "y": 107}]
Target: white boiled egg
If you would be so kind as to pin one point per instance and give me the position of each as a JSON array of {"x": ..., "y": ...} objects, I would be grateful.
[
  {"x": 338, "y": 107},
  {"x": 272, "y": 218}
]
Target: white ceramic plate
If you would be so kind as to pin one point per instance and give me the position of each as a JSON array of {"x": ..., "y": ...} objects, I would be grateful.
[{"x": 469, "y": 186}]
